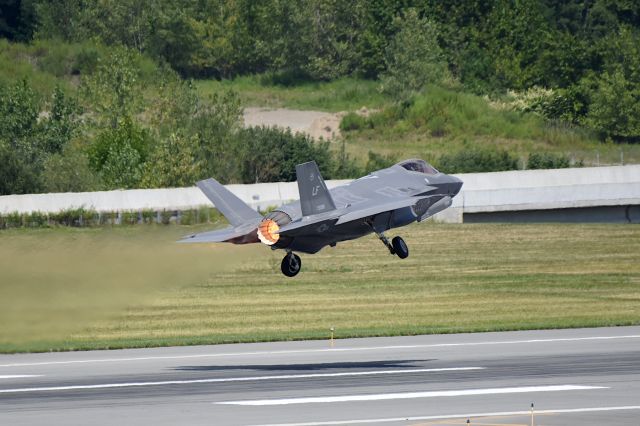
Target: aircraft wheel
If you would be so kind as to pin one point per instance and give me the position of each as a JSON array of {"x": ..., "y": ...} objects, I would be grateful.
[
  {"x": 400, "y": 247},
  {"x": 291, "y": 265}
]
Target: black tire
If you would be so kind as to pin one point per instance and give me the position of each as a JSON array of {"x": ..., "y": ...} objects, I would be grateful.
[
  {"x": 400, "y": 247},
  {"x": 291, "y": 265}
]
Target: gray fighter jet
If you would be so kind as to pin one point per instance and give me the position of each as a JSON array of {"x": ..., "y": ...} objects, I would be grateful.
[{"x": 409, "y": 191}]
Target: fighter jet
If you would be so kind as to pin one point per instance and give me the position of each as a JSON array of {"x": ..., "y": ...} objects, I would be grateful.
[{"x": 406, "y": 192}]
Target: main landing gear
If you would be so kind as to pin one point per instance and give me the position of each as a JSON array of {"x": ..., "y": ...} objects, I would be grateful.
[
  {"x": 397, "y": 245},
  {"x": 291, "y": 264}
]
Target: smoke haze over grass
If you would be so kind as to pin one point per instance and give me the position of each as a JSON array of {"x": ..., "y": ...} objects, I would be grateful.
[{"x": 55, "y": 282}]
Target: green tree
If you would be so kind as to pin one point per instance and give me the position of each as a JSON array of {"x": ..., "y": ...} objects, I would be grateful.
[
  {"x": 216, "y": 125},
  {"x": 614, "y": 109},
  {"x": 270, "y": 154},
  {"x": 17, "y": 176},
  {"x": 61, "y": 124},
  {"x": 17, "y": 19},
  {"x": 414, "y": 57},
  {"x": 173, "y": 163},
  {"x": 118, "y": 154},
  {"x": 114, "y": 91},
  {"x": 69, "y": 171},
  {"x": 18, "y": 113}
]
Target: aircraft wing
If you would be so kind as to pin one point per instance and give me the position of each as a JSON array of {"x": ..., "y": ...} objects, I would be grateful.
[{"x": 338, "y": 217}]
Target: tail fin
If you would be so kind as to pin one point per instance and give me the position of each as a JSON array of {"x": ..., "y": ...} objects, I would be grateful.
[
  {"x": 231, "y": 207},
  {"x": 314, "y": 195}
]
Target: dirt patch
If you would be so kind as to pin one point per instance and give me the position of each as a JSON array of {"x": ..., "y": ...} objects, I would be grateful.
[{"x": 316, "y": 124}]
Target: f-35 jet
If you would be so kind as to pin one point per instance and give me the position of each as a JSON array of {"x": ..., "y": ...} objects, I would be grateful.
[{"x": 406, "y": 192}]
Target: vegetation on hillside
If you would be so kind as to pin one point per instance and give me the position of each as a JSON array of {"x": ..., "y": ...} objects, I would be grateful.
[{"x": 98, "y": 95}]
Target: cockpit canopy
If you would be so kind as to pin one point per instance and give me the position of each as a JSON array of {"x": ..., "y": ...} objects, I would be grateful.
[{"x": 421, "y": 166}]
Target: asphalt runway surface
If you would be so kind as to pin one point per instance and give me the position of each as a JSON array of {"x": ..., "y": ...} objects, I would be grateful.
[{"x": 577, "y": 376}]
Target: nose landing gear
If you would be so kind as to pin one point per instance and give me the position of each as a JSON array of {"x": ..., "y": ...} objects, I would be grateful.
[
  {"x": 397, "y": 245},
  {"x": 400, "y": 247},
  {"x": 291, "y": 264}
]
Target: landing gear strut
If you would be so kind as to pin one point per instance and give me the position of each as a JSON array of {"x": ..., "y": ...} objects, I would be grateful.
[
  {"x": 291, "y": 264},
  {"x": 397, "y": 245}
]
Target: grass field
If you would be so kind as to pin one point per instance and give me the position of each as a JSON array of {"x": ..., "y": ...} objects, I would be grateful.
[{"x": 132, "y": 287}]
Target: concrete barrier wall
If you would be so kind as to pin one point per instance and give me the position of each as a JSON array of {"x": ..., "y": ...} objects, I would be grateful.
[{"x": 481, "y": 193}]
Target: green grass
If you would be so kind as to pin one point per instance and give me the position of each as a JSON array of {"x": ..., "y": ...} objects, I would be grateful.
[
  {"x": 112, "y": 288},
  {"x": 344, "y": 94}
]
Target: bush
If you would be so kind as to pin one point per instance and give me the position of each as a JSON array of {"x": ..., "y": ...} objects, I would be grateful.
[
  {"x": 477, "y": 161},
  {"x": 13, "y": 220},
  {"x": 353, "y": 121},
  {"x": 73, "y": 217},
  {"x": 188, "y": 217},
  {"x": 270, "y": 154},
  {"x": 548, "y": 160},
  {"x": 378, "y": 161},
  {"x": 36, "y": 220}
]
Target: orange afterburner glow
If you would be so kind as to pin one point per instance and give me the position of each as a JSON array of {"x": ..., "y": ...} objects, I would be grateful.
[{"x": 268, "y": 232}]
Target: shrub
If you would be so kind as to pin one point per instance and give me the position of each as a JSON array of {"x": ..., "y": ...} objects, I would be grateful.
[
  {"x": 72, "y": 217},
  {"x": 166, "y": 216},
  {"x": 353, "y": 121},
  {"x": 477, "y": 160},
  {"x": 548, "y": 160},
  {"x": 13, "y": 220},
  {"x": 129, "y": 218},
  {"x": 378, "y": 161},
  {"x": 36, "y": 220},
  {"x": 188, "y": 217},
  {"x": 149, "y": 216}
]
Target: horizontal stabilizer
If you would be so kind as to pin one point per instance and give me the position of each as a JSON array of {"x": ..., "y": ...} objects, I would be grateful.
[
  {"x": 230, "y": 234},
  {"x": 314, "y": 195},
  {"x": 231, "y": 207}
]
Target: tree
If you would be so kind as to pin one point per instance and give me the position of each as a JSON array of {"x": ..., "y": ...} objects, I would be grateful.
[
  {"x": 17, "y": 19},
  {"x": 69, "y": 171},
  {"x": 16, "y": 175},
  {"x": 173, "y": 163},
  {"x": 614, "y": 110},
  {"x": 61, "y": 124},
  {"x": 270, "y": 154},
  {"x": 216, "y": 125},
  {"x": 114, "y": 91},
  {"x": 118, "y": 154},
  {"x": 413, "y": 58}
]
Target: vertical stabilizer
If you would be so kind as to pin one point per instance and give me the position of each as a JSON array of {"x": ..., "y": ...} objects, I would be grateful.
[
  {"x": 233, "y": 208},
  {"x": 314, "y": 195}
]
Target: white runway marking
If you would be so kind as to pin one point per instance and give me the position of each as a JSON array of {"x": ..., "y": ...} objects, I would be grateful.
[
  {"x": 237, "y": 379},
  {"x": 411, "y": 395},
  {"x": 308, "y": 351},
  {"x": 460, "y": 416},
  {"x": 19, "y": 376}
]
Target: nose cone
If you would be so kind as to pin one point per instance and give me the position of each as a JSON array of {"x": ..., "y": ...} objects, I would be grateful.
[{"x": 456, "y": 184}]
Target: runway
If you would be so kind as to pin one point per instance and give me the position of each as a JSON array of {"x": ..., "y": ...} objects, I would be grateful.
[{"x": 576, "y": 376}]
